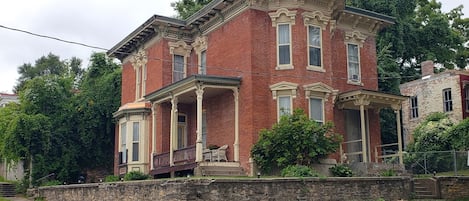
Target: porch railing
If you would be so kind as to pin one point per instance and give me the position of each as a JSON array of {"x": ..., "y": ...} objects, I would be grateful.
[
  {"x": 186, "y": 155},
  {"x": 386, "y": 155},
  {"x": 344, "y": 156}
]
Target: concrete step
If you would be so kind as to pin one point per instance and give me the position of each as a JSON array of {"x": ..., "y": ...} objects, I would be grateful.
[{"x": 7, "y": 190}]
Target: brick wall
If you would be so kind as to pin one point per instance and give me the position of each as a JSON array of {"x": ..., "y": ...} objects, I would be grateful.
[{"x": 390, "y": 188}]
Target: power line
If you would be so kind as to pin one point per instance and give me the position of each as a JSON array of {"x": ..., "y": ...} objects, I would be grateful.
[{"x": 52, "y": 37}]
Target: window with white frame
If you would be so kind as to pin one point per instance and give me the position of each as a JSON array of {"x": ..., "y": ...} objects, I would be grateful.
[
  {"x": 178, "y": 68},
  {"x": 138, "y": 81},
  {"x": 353, "y": 62},
  {"x": 466, "y": 90},
  {"x": 447, "y": 100},
  {"x": 283, "y": 93},
  {"x": 414, "y": 108},
  {"x": 139, "y": 61},
  {"x": 123, "y": 149},
  {"x": 135, "y": 141},
  {"x": 314, "y": 46},
  {"x": 284, "y": 44},
  {"x": 203, "y": 62},
  {"x": 316, "y": 109}
]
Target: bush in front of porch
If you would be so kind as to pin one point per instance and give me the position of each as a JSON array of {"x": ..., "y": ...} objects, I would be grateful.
[{"x": 294, "y": 140}]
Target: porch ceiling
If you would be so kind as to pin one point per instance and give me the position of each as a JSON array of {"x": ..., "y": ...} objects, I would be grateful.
[
  {"x": 184, "y": 88},
  {"x": 369, "y": 98}
]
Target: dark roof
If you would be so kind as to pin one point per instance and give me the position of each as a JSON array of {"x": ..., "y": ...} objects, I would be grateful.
[{"x": 372, "y": 14}]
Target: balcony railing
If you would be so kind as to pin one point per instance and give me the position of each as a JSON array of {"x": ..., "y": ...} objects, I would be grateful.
[{"x": 184, "y": 155}]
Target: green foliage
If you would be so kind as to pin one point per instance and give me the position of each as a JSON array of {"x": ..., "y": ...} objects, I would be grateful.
[
  {"x": 136, "y": 175},
  {"x": 341, "y": 171},
  {"x": 295, "y": 140},
  {"x": 21, "y": 186},
  {"x": 458, "y": 135},
  {"x": 52, "y": 183},
  {"x": 111, "y": 178},
  {"x": 388, "y": 173},
  {"x": 298, "y": 171},
  {"x": 186, "y": 8}
]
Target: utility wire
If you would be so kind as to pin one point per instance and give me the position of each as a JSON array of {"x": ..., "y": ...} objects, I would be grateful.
[{"x": 191, "y": 65}]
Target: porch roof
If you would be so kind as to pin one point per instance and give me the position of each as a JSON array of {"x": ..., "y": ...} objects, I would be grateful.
[
  {"x": 375, "y": 99},
  {"x": 191, "y": 83}
]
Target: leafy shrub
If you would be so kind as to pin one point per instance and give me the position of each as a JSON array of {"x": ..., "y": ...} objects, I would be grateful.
[
  {"x": 111, "y": 178},
  {"x": 298, "y": 171},
  {"x": 388, "y": 173},
  {"x": 52, "y": 183},
  {"x": 21, "y": 186},
  {"x": 136, "y": 175},
  {"x": 341, "y": 171}
]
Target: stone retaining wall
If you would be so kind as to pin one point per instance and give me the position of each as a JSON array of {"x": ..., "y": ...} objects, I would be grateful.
[
  {"x": 453, "y": 187},
  {"x": 389, "y": 188}
]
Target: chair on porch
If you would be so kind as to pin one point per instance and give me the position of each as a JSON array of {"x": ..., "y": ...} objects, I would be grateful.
[
  {"x": 219, "y": 154},
  {"x": 207, "y": 155}
]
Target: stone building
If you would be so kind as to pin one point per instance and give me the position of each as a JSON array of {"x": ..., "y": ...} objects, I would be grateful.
[
  {"x": 446, "y": 92},
  {"x": 236, "y": 66},
  {"x": 7, "y": 98}
]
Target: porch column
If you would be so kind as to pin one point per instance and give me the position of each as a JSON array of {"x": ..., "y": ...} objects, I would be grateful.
[
  {"x": 236, "y": 126},
  {"x": 399, "y": 134},
  {"x": 198, "y": 146},
  {"x": 363, "y": 129},
  {"x": 173, "y": 132},
  {"x": 153, "y": 135}
]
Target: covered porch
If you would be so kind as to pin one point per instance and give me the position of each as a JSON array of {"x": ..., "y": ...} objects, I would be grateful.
[
  {"x": 362, "y": 144},
  {"x": 183, "y": 114}
]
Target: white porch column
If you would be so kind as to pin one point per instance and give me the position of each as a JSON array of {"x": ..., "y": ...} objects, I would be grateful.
[
  {"x": 236, "y": 122},
  {"x": 363, "y": 130},
  {"x": 153, "y": 135},
  {"x": 198, "y": 146},
  {"x": 399, "y": 134},
  {"x": 173, "y": 132}
]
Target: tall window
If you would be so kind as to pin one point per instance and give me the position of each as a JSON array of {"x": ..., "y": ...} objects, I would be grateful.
[
  {"x": 466, "y": 90},
  {"x": 123, "y": 142},
  {"x": 182, "y": 132},
  {"x": 447, "y": 100},
  {"x": 135, "y": 141},
  {"x": 284, "y": 46},
  {"x": 203, "y": 63},
  {"x": 353, "y": 63},
  {"x": 284, "y": 106},
  {"x": 178, "y": 68},
  {"x": 314, "y": 45},
  {"x": 414, "y": 109},
  {"x": 316, "y": 109},
  {"x": 138, "y": 82}
]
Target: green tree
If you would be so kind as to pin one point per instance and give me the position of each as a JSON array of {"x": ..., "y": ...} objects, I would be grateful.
[
  {"x": 295, "y": 140},
  {"x": 48, "y": 65},
  {"x": 99, "y": 97},
  {"x": 185, "y": 8},
  {"x": 458, "y": 135}
]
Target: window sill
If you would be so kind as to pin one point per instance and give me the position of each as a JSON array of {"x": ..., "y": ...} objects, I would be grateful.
[
  {"x": 358, "y": 83},
  {"x": 316, "y": 68},
  {"x": 284, "y": 67}
]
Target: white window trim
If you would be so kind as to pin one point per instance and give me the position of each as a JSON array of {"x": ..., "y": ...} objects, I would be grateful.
[
  {"x": 323, "y": 109},
  {"x": 139, "y": 62},
  {"x": 138, "y": 141},
  {"x": 180, "y": 48},
  {"x": 123, "y": 143},
  {"x": 322, "y": 91},
  {"x": 283, "y": 16},
  {"x": 283, "y": 89},
  {"x": 312, "y": 67},
  {"x": 184, "y": 67},
  {"x": 200, "y": 62},
  {"x": 278, "y": 105},
  {"x": 349, "y": 81},
  {"x": 200, "y": 45}
]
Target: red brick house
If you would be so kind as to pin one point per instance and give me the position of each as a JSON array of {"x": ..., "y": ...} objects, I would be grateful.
[
  {"x": 233, "y": 68},
  {"x": 446, "y": 92}
]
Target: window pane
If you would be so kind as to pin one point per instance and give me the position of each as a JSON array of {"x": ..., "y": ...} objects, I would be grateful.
[
  {"x": 284, "y": 54},
  {"x": 123, "y": 133},
  {"x": 353, "y": 71},
  {"x": 314, "y": 36},
  {"x": 135, "y": 151},
  {"x": 178, "y": 68},
  {"x": 316, "y": 109},
  {"x": 314, "y": 56},
  {"x": 123, "y": 142},
  {"x": 284, "y": 105},
  {"x": 284, "y": 34},
  {"x": 203, "y": 62},
  {"x": 136, "y": 132}
]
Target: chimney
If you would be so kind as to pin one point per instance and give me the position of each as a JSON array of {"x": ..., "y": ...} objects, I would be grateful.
[{"x": 427, "y": 68}]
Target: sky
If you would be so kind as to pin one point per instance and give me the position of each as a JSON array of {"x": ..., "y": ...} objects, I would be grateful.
[{"x": 100, "y": 23}]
